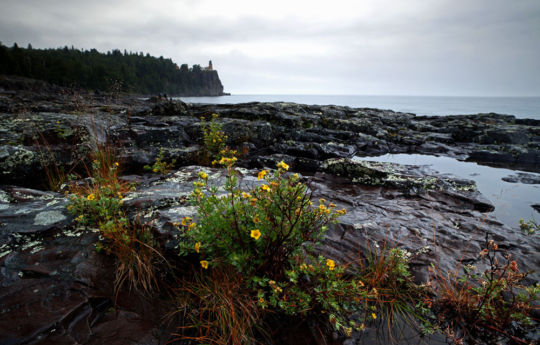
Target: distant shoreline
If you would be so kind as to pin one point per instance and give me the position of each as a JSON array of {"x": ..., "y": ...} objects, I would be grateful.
[{"x": 520, "y": 107}]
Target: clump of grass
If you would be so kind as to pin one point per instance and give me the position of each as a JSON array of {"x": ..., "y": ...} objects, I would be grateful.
[
  {"x": 218, "y": 309},
  {"x": 137, "y": 254},
  {"x": 390, "y": 290}
]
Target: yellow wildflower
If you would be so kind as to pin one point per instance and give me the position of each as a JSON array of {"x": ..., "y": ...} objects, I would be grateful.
[
  {"x": 261, "y": 174},
  {"x": 185, "y": 221},
  {"x": 253, "y": 202},
  {"x": 331, "y": 264},
  {"x": 245, "y": 195},
  {"x": 91, "y": 197},
  {"x": 197, "y": 246},
  {"x": 203, "y": 175},
  {"x": 283, "y": 165},
  {"x": 191, "y": 226},
  {"x": 265, "y": 188},
  {"x": 256, "y": 219},
  {"x": 155, "y": 170},
  {"x": 255, "y": 233},
  {"x": 116, "y": 164},
  {"x": 274, "y": 184},
  {"x": 341, "y": 212},
  {"x": 296, "y": 176},
  {"x": 204, "y": 264},
  {"x": 374, "y": 316},
  {"x": 120, "y": 195}
]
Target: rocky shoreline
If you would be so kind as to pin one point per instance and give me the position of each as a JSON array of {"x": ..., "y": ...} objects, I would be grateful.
[{"x": 55, "y": 288}]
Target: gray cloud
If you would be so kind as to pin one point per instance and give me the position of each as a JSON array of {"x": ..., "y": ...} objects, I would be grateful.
[{"x": 484, "y": 47}]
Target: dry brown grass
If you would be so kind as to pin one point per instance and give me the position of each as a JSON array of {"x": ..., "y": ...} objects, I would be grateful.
[{"x": 217, "y": 309}]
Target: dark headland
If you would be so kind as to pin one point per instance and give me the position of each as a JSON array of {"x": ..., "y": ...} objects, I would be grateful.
[
  {"x": 55, "y": 288},
  {"x": 113, "y": 71}
]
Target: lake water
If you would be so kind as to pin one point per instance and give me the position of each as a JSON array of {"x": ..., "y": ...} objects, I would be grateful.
[
  {"x": 521, "y": 107},
  {"x": 512, "y": 200}
]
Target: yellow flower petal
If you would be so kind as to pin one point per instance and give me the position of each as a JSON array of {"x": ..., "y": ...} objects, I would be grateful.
[
  {"x": 197, "y": 246},
  {"x": 204, "y": 264},
  {"x": 283, "y": 165},
  {"x": 255, "y": 233},
  {"x": 331, "y": 264},
  {"x": 261, "y": 174}
]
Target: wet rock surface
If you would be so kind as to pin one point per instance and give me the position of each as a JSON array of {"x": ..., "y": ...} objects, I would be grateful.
[
  {"x": 522, "y": 178},
  {"x": 56, "y": 289}
]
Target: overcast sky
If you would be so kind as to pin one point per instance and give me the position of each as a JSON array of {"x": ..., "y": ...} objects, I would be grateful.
[{"x": 387, "y": 47}]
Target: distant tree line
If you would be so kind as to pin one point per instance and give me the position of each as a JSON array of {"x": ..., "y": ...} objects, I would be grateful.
[{"x": 90, "y": 69}]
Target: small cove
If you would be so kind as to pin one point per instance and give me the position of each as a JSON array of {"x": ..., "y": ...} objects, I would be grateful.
[{"x": 512, "y": 201}]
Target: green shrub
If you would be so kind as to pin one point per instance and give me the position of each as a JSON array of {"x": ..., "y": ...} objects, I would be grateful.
[
  {"x": 214, "y": 139},
  {"x": 259, "y": 230},
  {"x": 268, "y": 235},
  {"x": 160, "y": 166},
  {"x": 530, "y": 227}
]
